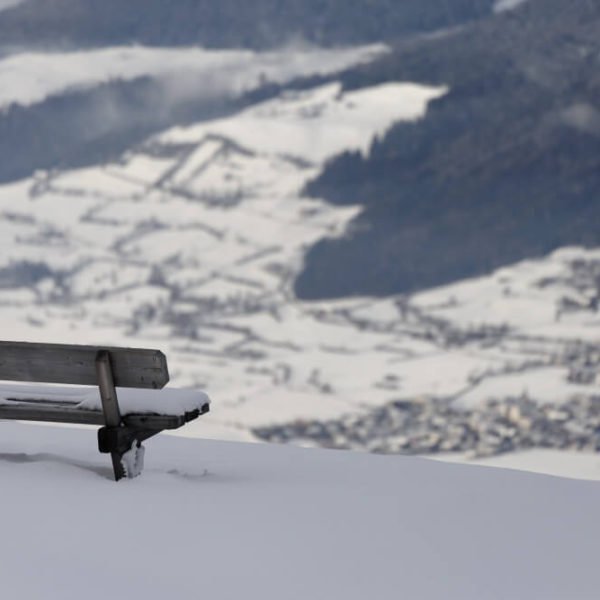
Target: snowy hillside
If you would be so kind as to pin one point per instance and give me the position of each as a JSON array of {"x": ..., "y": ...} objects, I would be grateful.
[
  {"x": 222, "y": 520},
  {"x": 77, "y": 108},
  {"x": 276, "y": 210},
  {"x": 191, "y": 243}
]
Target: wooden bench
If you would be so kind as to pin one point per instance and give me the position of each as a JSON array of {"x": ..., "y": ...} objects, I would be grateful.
[{"x": 121, "y": 433}]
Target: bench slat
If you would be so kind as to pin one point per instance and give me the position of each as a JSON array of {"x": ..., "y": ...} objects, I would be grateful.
[
  {"x": 65, "y": 413},
  {"x": 62, "y": 363}
]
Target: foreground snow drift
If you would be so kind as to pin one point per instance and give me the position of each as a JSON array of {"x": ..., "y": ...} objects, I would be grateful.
[{"x": 222, "y": 520}]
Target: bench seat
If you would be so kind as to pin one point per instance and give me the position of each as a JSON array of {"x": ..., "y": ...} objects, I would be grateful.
[
  {"x": 154, "y": 409},
  {"x": 172, "y": 402}
]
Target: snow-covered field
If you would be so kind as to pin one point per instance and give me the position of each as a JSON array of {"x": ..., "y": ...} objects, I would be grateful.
[
  {"x": 191, "y": 242},
  {"x": 228, "y": 520},
  {"x": 560, "y": 463}
]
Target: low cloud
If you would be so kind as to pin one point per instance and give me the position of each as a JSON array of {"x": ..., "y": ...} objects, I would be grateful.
[
  {"x": 4, "y": 4},
  {"x": 583, "y": 117}
]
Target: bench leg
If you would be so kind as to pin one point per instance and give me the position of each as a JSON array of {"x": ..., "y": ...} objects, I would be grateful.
[
  {"x": 124, "y": 444},
  {"x": 110, "y": 406},
  {"x": 126, "y": 451}
]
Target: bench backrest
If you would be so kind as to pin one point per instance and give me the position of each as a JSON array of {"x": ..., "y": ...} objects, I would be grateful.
[{"x": 61, "y": 363}]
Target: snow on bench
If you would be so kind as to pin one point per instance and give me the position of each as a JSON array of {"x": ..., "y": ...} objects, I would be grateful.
[{"x": 166, "y": 402}]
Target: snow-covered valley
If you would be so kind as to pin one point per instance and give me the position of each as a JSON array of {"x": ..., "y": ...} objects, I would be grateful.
[
  {"x": 229, "y": 182},
  {"x": 191, "y": 241}
]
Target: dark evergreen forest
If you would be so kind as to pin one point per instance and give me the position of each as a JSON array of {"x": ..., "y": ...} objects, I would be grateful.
[
  {"x": 229, "y": 23},
  {"x": 506, "y": 166}
]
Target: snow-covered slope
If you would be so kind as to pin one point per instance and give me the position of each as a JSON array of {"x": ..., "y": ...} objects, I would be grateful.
[
  {"x": 191, "y": 241},
  {"x": 222, "y": 521}
]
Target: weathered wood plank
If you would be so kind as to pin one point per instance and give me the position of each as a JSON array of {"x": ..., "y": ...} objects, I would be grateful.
[
  {"x": 51, "y": 414},
  {"x": 62, "y": 363}
]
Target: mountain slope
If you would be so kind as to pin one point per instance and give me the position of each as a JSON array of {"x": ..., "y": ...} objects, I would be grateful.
[
  {"x": 504, "y": 167},
  {"x": 70, "y": 109},
  {"x": 191, "y": 241}
]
